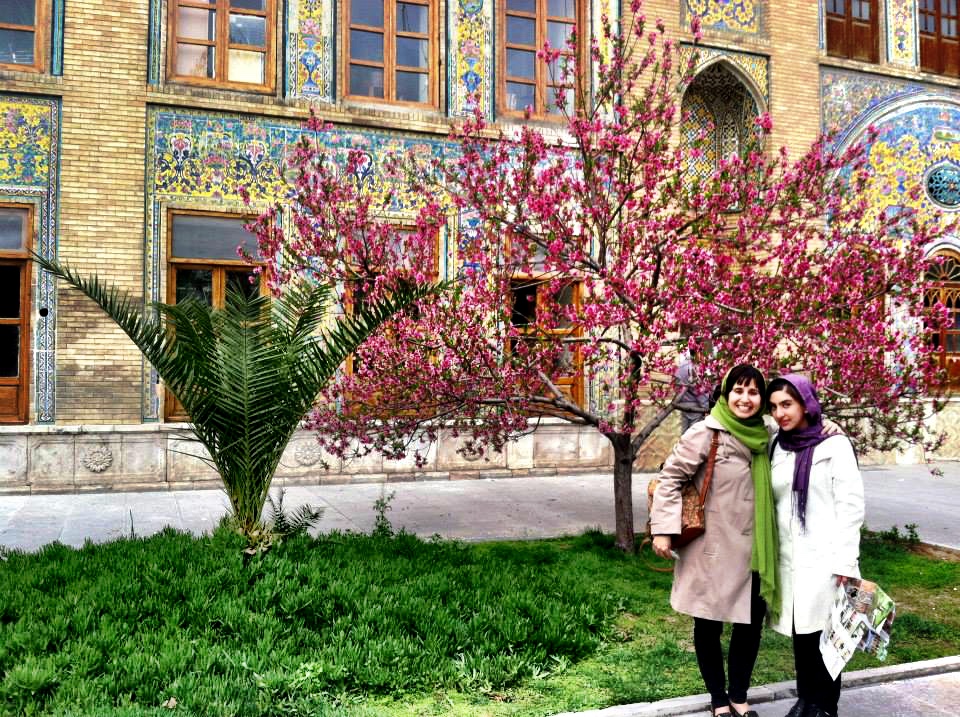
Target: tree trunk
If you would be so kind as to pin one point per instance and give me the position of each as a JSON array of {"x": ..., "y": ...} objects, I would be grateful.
[{"x": 623, "y": 491}]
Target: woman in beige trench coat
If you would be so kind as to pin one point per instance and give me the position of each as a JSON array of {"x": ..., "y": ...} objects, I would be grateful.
[{"x": 728, "y": 574}]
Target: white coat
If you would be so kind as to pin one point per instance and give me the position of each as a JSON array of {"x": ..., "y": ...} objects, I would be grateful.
[{"x": 811, "y": 559}]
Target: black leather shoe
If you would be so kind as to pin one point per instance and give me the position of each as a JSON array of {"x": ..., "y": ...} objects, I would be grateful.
[{"x": 798, "y": 708}]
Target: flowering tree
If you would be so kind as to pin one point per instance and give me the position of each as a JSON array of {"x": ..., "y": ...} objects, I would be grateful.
[{"x": 594, "y": 250}]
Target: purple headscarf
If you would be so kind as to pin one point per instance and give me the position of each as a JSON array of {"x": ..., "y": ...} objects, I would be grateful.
[{"x": 802, "y": 441}]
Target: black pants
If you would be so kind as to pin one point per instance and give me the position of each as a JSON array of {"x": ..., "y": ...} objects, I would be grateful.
[
  {"x": 744, "y": 645},
  {"x": 814, "y": 684}
]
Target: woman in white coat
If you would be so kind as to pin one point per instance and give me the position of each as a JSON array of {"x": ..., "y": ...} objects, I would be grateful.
[{"x": 819, "y": 504}]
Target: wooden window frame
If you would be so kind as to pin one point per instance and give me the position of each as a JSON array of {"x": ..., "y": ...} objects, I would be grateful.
[
  {"x": 220, "y": 267},
  {"x": 222, "y": 45},
  {"x": 540, "y": 110},
  {"x": 40, "y": 32},
  {"x": 21, "y": 258},
  {"x": 389, "y": 64},
  {"x": 938, "y": 53},
  {"x": 842, "y": 30},
  {"x": 572, "y": 385}
]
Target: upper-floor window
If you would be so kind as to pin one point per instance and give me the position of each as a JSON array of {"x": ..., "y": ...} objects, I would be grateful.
[
  {"x": 21, "y": 34},
  {"x": 391, "y": 50},
  {"x": 524, "y": 80},
  {"x": 852, "y": 29},
  {"x": 222, "y": 43},
  {"x": 939, "y": 41}
]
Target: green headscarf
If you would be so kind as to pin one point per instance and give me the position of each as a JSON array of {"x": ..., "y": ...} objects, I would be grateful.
[{"x": 752, "y": 433}]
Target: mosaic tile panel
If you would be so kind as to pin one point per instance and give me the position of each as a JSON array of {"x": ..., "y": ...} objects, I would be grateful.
[
  {"x": 29, "y": 167},
  {"x": 470, "y": 74},
  {"x": 902, "y": 32},
  {"x": 740, "y": 16},
  {"x": 310, "y": 41},
  {"x": 846, "y": 96},
  {"x": 913, "y": 138},
  {"x": 756, "y": 67},
  {"x": 201, "y": 160}
]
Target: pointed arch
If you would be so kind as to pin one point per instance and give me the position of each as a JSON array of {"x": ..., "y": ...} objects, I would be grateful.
[
  {"x": 943, "y": 287},
  {"x": 721, "y": 101}
]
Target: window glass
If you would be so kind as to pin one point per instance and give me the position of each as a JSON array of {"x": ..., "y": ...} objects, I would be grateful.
[
  {"x": 196, "y": 61},
  {"x": 196, "y": 24},
  {"x": 521, "y": 63},
  {"x": 522, "y": 5},
  {"x": 198, "y": 237},
  {"x": 245, "y": 66},
  {"x": 412, "y": 52},
  {"x": 413, "y": 87},
  {"x": 260, "y": 5},
  {"x": 248, "y": 30},
  {"x": 413, "y": 18},
  {"x": 13, "y": 226},
  {"x": 521, "y": 31},
  {"x": 16, "y": 47},
  {"x": 366, "y": 46},
  {"x": 561, "y": 8},
  {"x": 18, "y": 12},
  {"x": 366, "y": 81},
  {"x": 10, "y": 291},
  {"x": 367, "y": 12},
  {"x": 195, "y": 284}
]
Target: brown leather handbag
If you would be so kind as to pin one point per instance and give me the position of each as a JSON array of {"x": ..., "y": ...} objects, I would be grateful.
[{"x": 692, "y": 518}]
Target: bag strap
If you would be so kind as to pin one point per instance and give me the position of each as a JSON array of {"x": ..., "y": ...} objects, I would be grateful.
[{"x": 711, "y": 462}]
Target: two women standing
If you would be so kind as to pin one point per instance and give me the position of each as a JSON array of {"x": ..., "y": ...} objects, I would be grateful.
[{"x": 763, "y": 549}]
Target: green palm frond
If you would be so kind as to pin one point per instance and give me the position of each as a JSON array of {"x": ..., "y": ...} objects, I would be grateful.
[{"x": 245, "y": 374}]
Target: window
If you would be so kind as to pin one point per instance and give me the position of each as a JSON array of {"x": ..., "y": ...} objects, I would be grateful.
[
  {"x": 392, "y": 51},
  {"x": 16, "y": 225},
  {"x": 939, "y": 41},
  {"x": 529, "y": 298},
  {"x": 21, "y": 34},
  {"x": 524, "y": 80},
  {"x": 222, "y": 43},
  {"x": 852, "y": 29},
  {"x": 203, "y": 263},
  {"x": 944, "y": 287}
]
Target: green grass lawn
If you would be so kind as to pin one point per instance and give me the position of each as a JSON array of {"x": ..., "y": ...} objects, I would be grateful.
[{"x": 358, "y": 625}]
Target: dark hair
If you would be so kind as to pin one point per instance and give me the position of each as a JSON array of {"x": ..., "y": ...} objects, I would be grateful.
[
  {"x": 782, "y": 384},
  {"x": 744, "y": 373}
]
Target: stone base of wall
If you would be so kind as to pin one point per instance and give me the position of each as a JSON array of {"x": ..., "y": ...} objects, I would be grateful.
[{"x": 66, "y": 459}]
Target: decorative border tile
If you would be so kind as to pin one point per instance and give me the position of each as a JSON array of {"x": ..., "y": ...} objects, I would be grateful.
[
  {"x": 56, "y": 46},
  {"x": 902, "y": 42},
  {"x": 29, "y": 170},
  {"x": 470, "y": 46},
  {"x": 310, "y": 38},
  {"x": 155, "y": 42},
  {"x": 846, "y": 96}
]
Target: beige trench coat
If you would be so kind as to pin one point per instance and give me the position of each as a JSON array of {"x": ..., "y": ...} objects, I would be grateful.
[{"x": 712, "y": 578}]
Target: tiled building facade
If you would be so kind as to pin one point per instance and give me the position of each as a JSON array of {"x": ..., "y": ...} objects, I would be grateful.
[{"x": 129, "y": 126}]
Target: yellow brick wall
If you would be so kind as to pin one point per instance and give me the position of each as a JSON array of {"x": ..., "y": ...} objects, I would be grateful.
[{"x": 101, "y": 204}]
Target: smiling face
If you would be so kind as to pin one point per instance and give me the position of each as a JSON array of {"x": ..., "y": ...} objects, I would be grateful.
[
  {"x": 788, "y": 412},
  {"x": 745, "y": 399}
]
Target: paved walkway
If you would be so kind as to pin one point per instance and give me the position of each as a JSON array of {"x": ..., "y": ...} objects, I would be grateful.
[{"x": 537, "y": 507}]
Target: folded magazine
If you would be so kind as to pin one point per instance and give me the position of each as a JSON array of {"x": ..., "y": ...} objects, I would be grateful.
[{"x": 861, "y": 618}]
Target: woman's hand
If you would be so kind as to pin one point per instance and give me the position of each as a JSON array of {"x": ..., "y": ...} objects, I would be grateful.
[
  {"x": 830, "y": 428},
  {"x": 663, "y": 546}
]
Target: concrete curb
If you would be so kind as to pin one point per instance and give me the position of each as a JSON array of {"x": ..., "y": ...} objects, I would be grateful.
[{"x": 777, "y": 691}]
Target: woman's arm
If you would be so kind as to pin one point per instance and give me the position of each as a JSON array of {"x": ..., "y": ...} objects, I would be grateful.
[{"x": 848, "y": 508}]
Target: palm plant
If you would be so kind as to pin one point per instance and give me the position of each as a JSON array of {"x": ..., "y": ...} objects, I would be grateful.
[{"x": 245, "y": 374}]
